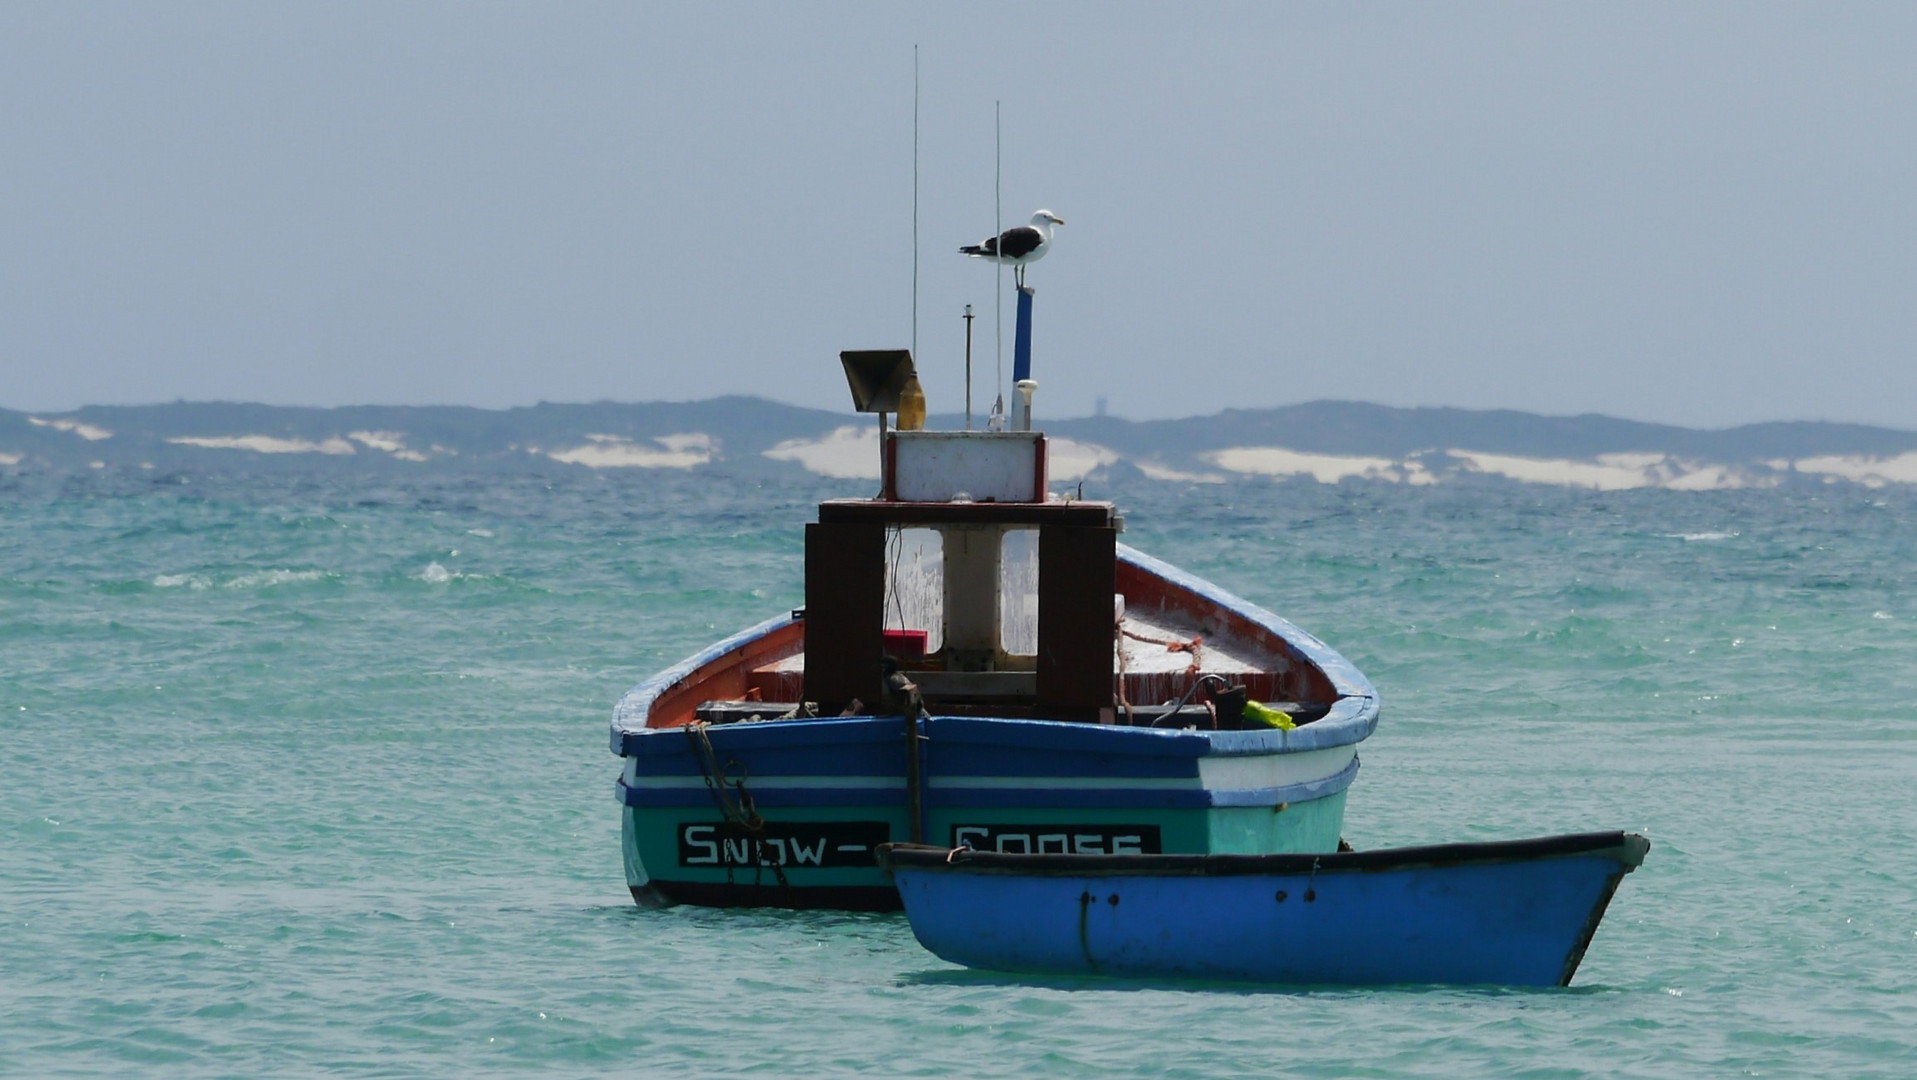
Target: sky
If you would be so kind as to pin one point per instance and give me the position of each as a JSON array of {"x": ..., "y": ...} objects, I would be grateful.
[{"x": 1690, "y": 213}]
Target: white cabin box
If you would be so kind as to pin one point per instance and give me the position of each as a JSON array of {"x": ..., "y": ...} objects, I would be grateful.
[{"x": 978, "y": 466}]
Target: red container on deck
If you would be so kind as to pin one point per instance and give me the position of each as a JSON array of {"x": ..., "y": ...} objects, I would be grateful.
[{"x": 906, "y": 644}]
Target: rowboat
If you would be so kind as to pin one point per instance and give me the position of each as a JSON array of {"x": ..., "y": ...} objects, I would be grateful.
[
  {"x": 979, "y": 661},
  {"x": 1515, "y": 913}
]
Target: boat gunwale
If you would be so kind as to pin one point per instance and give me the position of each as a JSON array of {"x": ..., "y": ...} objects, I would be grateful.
[
  {"x": 1627, "y": 849},
  {"x": 630, "y": 714},
  {"x": 1352, "y": 717},
  {"x": 1343, "y": 675}
]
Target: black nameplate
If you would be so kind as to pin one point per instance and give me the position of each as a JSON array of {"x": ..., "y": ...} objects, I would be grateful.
[
  {"x": 1060, "y": 839},
  {"x": 792, "y": 845}
]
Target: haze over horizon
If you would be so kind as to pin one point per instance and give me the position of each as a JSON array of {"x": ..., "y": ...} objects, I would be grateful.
[{"x": 1693, "y": 215}]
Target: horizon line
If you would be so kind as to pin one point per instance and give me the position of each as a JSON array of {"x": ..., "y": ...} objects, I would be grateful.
[{"x": 852, "y": 416}]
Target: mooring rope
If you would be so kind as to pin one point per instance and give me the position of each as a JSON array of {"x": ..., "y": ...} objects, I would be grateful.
[
  {"x": 739, "y": 812},
  {"x": 1172, "y": 645}
]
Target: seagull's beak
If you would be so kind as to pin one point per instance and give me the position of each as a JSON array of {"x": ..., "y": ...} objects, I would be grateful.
[{"x": 1058, "y": 221}]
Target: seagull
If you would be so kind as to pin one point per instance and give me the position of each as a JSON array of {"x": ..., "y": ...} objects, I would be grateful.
[{"x": 1016, "y": 247}]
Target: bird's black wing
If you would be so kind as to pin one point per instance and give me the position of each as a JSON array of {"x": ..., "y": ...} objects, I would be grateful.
[{"x": 1019, "y": 242}]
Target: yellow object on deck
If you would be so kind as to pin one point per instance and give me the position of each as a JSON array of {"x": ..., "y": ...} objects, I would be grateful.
[
  {"x": 1260, "y": 713},
  {"x": 912, "y": 406}
]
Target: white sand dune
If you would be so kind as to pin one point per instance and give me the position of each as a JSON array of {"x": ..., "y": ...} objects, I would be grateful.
[
  {"x": 393, "y": 442},
  {"x": 683, "y": 451},
  {"x": 1614, "y": 472},
  {"x": 1324, "y": 468},
  {"x": 265, "y": 444},
  {"x": 1868, "y": 471},
  {"x": 1075, "y": 460},
  {"x": 847, "y": 453},
  {"x": 85, "y": 431},
  {"x": 1156, "y": 471}
]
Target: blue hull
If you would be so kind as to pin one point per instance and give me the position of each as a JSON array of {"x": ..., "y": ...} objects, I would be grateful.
[
  {"x": 1029, "y": 785},
  {"x": 1519, "y": 913}
]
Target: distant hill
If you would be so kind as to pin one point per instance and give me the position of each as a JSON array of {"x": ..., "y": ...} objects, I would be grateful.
[{"x": 1330, "y": 441}]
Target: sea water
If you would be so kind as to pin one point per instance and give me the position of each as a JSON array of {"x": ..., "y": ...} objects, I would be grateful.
[{"x": 309, "y": 774}]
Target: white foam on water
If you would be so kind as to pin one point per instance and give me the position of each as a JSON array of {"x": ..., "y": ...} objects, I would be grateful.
[
  {"x": 265, "y": 444},
  {"x": 267, "y": 578},
  {"x": 480, "y": 532},
  {"x": 682, "y": 451},
  {"x": 85, "y": 431},
  {"x": 436, "y": 574},
  {"x": 1693, "y": 538},
  {"x": 847, "y": 453},
  {"x": 1882, "y": 615},
  {"x": 175, "y": 581},
  {"x": 11, "y": 459}
]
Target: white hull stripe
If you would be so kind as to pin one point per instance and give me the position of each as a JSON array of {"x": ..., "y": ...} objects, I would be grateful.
[{"x": 1236, "y": 779}]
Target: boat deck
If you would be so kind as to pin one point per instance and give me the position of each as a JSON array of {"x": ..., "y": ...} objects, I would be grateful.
[{"x": 1171, "y": 630}]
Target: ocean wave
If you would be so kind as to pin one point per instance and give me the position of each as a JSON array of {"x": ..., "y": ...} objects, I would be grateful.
[
  {"x": 436, "y": 574},
  {"x": 259, "y": 579},
  {"x": 250, "y": 579}
]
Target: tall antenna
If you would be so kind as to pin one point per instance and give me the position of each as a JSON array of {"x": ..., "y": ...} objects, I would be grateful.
[
  {"x": 998, "y": 229},
  {"x": 915, "y": 202}
]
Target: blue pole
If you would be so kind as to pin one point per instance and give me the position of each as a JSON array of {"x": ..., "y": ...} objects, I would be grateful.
[{"x": 1022, "y": 338}]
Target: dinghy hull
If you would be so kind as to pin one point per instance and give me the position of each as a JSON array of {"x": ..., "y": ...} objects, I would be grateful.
[{"x": 1518, "y": 913}]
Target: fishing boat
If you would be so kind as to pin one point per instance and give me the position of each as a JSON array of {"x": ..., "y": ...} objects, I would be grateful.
[
  {"x": 1514, "y": 913},
  {"x": 978, "y": 661}
]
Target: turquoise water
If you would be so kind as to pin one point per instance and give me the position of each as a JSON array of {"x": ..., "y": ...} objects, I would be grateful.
[{"x": 309, "y": 775}]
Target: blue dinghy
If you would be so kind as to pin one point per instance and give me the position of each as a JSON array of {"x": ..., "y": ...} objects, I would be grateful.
[{"x": 1516, "y": 913}]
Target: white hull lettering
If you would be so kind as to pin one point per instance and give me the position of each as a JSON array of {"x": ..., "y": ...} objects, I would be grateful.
[
  {"x": 1060, "y": 840},
  {"x": 796, "y": 845},
  {"x": 699, "y": 839}
]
